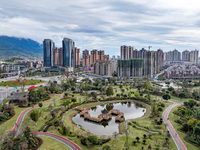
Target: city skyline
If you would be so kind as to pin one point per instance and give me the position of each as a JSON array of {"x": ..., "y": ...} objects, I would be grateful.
[{"x": 105, "y": 25}]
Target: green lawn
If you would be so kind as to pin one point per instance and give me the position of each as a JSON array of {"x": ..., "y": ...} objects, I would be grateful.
[
  {"x": 150, "y": 122},
  {"x": 119, "y": 143},
  {"x": 181, "y": 134},
  {"x": 45, "y": 115},
  {"x": 52, "y": 144}
]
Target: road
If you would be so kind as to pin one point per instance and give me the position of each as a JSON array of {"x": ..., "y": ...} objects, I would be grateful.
[
  {"x": 20, "y": 119},
  {"x": 6, "y": 91},
  {"x": 179, "y": 143}
]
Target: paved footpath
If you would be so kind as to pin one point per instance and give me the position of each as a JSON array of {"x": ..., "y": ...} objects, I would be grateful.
[
  {"x": 180, "y": 145},
  {"x": 65, "y": 141}
]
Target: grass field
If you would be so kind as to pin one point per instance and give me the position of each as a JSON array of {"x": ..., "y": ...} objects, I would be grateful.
[{"x": 52, "y": 144}]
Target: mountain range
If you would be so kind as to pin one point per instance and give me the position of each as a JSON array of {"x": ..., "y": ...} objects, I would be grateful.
[{"x": 20, "y": 47}]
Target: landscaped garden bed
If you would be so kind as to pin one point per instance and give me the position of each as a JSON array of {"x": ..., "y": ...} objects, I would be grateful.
[{"x": 24, "y": 82}]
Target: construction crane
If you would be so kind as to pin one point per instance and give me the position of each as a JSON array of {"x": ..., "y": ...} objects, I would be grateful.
[{"x": 149, "y": 47}]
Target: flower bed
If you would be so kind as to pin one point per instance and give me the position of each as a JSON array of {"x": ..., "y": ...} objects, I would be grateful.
[{"x": 20, "y": 83}]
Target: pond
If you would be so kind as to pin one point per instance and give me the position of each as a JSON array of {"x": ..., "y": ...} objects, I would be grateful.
[{"x": 130, "y": 109}]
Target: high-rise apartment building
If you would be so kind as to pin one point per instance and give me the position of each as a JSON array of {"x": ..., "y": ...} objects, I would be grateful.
[
  {"x": 130, "y": 68},
  {"x": 77, "y": 57},
  {"x": 151, "y": 63},
  {"x": 185, "y": 55},
  {"x": 58, "y": 59},
  {"x": 94, "y": 56},
  {"x": 194, "y": 56},
  {"x": 126, "y": 52},
  {"x": 105, "y": 68},
  {"x": 68, "y": 52},
  {"x": 89, "y": 60},
  {"x": 86, "y": 58},
  {"x": 174, "y": 55},
  {"x": 161, "y": 57},
  {"x": 48, "y": 48}
]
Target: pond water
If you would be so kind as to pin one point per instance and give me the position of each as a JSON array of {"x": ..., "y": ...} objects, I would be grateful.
[{"x": 130, "y": 109}]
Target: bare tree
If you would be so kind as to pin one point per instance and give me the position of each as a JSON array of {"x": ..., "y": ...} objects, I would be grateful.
[{"x": 23, "y": 146}]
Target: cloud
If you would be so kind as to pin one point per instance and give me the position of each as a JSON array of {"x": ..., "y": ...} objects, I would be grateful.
[{"x": 105, "y": 24}]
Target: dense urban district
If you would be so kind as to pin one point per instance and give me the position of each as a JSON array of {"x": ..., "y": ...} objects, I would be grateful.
[{"x": 142, "y": 99}]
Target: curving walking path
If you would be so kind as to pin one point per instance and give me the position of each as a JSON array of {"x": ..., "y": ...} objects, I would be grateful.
[
  {"x": 20, "y": 119},
  {"x": 179, "y": 143}
]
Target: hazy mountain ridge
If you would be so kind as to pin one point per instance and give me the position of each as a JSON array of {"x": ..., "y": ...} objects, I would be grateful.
[{"x": 14, "y": 46}]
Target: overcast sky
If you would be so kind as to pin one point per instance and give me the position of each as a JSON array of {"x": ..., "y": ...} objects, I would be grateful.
[{"x": 105, "y": 24}]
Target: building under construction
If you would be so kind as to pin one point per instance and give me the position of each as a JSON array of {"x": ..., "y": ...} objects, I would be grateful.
[{"x": 130, "y": 68}]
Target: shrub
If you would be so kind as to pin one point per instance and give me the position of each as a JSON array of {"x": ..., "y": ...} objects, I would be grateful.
[
  {"x": 178, "y": 121},
  {"x": 93, "y": 139},
  {"x": 106, "y": 147},
  {"x": 162, "y": 105},
  {"x": 160, "y": 109}
]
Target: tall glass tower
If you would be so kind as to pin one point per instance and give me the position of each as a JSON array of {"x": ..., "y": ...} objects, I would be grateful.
[
  {"x": 68, "y": 52},
  {"x": 48, "y": 47}
]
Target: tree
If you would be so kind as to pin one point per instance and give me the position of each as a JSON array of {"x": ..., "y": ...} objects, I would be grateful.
[
  {"x": 160, "y": 109},
  {"x": 41, "y": 91},
  {"x": 65, "y": 103},
  {"x": 35, "y": 114},
  {"x": 129, "y": 94},
  {"x": 181, "y": 95},
  {"x": 191, "y": 103},
  {"x": 93, "y": 139},
  {"x": 109, "y": 91},
  {"x": 134, "y": 142},
  {"x": 166, "y": 96},
  {"x": 147, "y": 85},
  {"x": 197, "y": 133},
  {"x": 137, "y": 138},
  {"x": 144, "y": 136},
  {"x": 106, "y": 147},
  {"x": 23, "y": 146},
  {"x": 144, "y": 141},
  {"x": 27, "y": 132},
  {"x": 170, "y": 89},
  {"x": 149, "y": 135},
  {"x": 137, "y": 94},
  {"x": 23, "y": 101},
  {"x": 192, "y": 122},
  {"x": 73, "y": 89},
  {"x": 40, "y": 105},
  {"x": 73, "y": 100},
  {"x": 32, "y": 96}
]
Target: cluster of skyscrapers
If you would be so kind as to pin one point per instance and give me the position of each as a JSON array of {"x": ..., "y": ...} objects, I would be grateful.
[
  {"x": 175, "y": 55},
  {"x": 68, "y": 56},
  {"x": 95, "y": 55},
  {"x": 133, "y": 63},
  {"x": 137, "y": 63}
]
